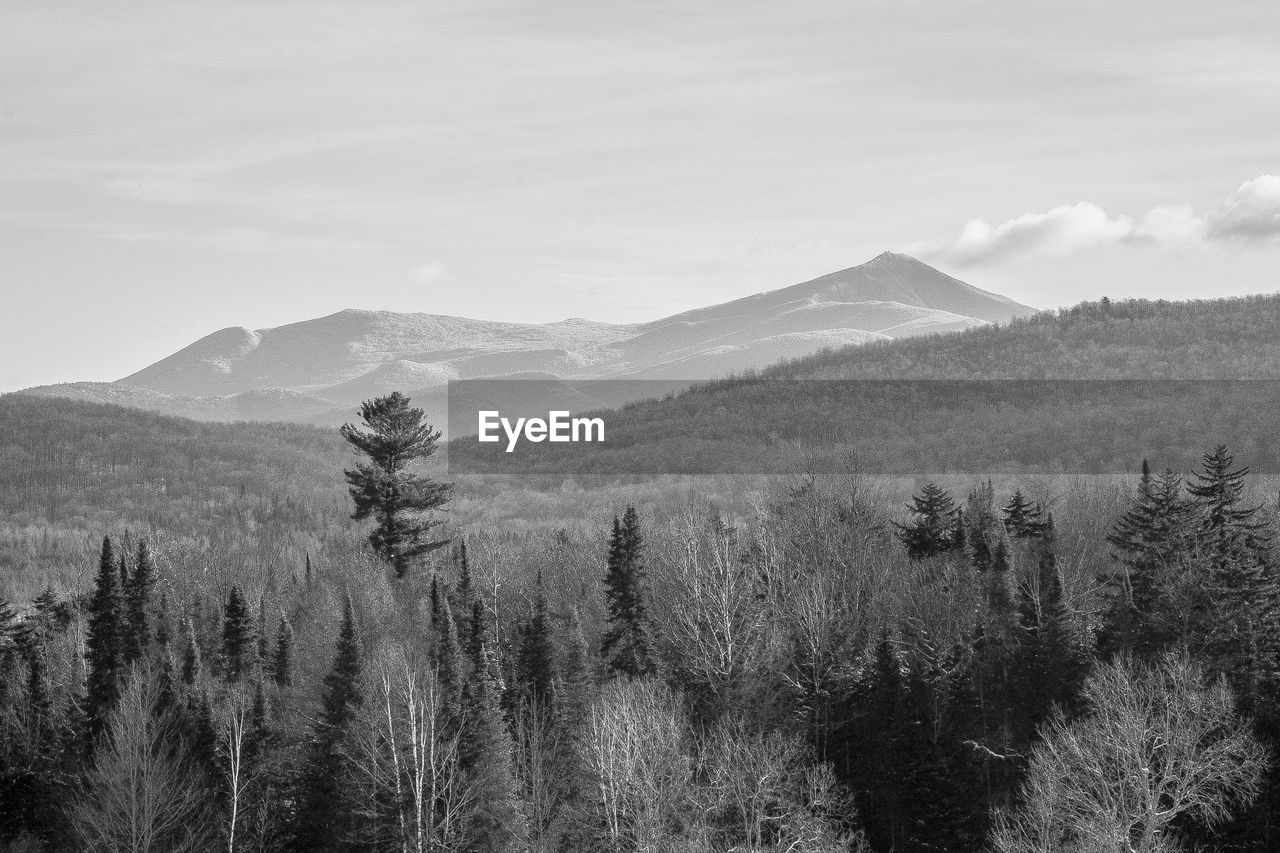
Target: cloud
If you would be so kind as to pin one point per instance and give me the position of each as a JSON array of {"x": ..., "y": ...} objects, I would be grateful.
[
  {"x": 430, "y": 272},
  {"x": 1252, "y": 213},
  {"x": 1249, "y": 215}
]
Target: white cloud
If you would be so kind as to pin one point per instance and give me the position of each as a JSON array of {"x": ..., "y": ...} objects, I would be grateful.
[
  {"x": 430, "y": 272},
  {"x": 1250, "y": 214}
]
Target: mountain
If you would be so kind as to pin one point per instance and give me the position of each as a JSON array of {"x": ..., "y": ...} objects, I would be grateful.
[{"x": 318, "y": 370}]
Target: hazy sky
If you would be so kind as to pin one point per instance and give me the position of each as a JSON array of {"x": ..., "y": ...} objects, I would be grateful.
[{"x": 170, "y": 168}]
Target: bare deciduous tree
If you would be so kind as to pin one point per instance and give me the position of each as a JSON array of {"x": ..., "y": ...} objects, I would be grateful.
[
  {"x": 407, "y": 757},
  {"x": 232, "y": 741},
  {"x": 636, "y": 748},
  {"x": 714, "y": 626},
  {"x": 142, "y": 795},
  {"x": 769, "y": 795},
  {"x": 1157, "y": 744}
]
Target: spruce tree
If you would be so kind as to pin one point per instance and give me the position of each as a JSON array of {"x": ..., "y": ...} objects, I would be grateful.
[
  {"x": 449, "y": 668},
  {"x": 237, "y": 636},
  {"x": 495, "y": 823},
  {"x": 104, "y": 641},
  {"x": 535, "y": 665},
  {"x": 1154, "y": 533},
  {"x": 932, "y": 530},
  {"x": 466, "y": 593},
  {"x": 1055, "y": 656},
  {"x": 1243, "y": 599},
  {"x": 625, "y": 645},
  {"x": 137, "y": 596},
  {"x": 383, "y": 487},
  {"x": 325, "y": 818},
  {"x": 1022, "y": 518}
]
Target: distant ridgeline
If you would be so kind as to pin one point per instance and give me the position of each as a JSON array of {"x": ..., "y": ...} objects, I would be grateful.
[
  {"x": 766, "y": 426},
  {"x": 1136, "y": 354}
]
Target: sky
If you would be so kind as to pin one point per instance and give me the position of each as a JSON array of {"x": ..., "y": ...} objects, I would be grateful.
[{"x": 171, "y": 168}]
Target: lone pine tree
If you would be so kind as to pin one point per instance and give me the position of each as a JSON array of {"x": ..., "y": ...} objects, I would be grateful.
[{"x": 384, "y": 487}]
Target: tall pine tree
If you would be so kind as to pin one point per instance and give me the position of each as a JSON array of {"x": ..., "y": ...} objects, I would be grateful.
[
  {"x": 137, "y": 596},
  {"x": 325, "y": 819},
  {"x": 237, "y": 636},
  {"x": 384, "y": 487},
  {"x": 104, "y": 641},
  {"x": 495, "y": 823},
  {"x": 625, "y": 646}
]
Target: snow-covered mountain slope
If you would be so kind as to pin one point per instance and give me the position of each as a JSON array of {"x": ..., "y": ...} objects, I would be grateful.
[{"x": 318, "y": 370}]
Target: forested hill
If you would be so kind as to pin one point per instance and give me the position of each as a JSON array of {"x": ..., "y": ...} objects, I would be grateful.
[
  {"x": 73, "y": 470},
  {"x": 66, "y": 460},
  {"x": 743, "y": 424},
  {"x": 1131, "y": 339}
]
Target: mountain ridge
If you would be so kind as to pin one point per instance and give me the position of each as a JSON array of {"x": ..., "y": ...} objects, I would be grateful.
[{"x": 317, "y": 369}]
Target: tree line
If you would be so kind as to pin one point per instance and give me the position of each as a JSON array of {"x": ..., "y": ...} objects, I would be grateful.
[{"x": 828, "y": 674}]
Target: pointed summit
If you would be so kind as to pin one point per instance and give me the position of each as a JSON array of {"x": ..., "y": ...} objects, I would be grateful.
[{"x": 895, "y": 277}]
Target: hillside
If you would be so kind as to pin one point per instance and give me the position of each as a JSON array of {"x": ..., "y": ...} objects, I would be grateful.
[
  {"x": 1131, "y": 339},
  {"x": 317, "y": 371},
  {"x": 840, "y": 401}
]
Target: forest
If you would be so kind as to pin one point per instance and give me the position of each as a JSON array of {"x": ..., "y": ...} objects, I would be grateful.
[
  {"x": 201, "y": 648},
  {"x": 1071, "y": 667}
]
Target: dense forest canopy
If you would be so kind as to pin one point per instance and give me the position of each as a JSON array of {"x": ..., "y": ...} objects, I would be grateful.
[{"x": 1030, "y": 662}]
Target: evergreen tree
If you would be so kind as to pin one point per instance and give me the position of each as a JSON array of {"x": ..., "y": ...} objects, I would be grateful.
[
  {"x": 932, "y": 531},
  {"x": 103, "y": 644},
  {"x": 1243, "y": 597},
  {"x": 1022, "y": 518},
  {"x": 137, "y": 595},
  {"x": 466, "y": 594},
  {"x": 449, "y": 669},
  {"x": 495, "y": 823},
  {"x": 535, "y": 666},
  {"x": 1152, "y": 536},
  {"x": 384, "y": 487},
  {"x": 625, "y": 645},
  {"x": 237, "y": 636},
  {"x": 870, "y": 748},
  {"x": 124, "y": 578},
  {"x": 437, "y": 612},
  {"x": 282, "y": 661},
  {"x": 575, "y": 681},
  {"x": 1055, "y": 656},
  {"x": 325, "y": 819}
]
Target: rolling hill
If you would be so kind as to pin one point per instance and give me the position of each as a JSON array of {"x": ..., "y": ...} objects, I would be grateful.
[{"x": 1093, "y": 388}]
